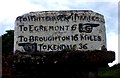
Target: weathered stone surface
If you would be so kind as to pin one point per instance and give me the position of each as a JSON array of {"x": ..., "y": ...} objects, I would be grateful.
[
  {"x": 64, "y": 64},
  {"x": 96, "y": 58},
  {"x": 57, "y": 30}
]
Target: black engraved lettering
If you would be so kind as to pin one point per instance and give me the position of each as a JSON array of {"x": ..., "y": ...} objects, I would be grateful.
[
  {"x": 31, "y": 38},
  {"x": 21, "y": 38},
  {"x": 30, "y": 27},
  {"x": 21, "y": 27},
  {"x": 19, "y": 18},
  {"x": 29, "y": 47},
  {"x": 87, "y": 27}
]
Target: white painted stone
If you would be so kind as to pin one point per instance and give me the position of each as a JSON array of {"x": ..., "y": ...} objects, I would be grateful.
[{"x": 58, "y": 30}]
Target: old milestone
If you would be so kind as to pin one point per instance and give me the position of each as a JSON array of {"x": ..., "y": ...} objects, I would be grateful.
[{"x": 58, "y": 30}]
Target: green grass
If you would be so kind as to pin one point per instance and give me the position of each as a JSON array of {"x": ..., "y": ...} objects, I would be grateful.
[{"x": 109, "y": 72}]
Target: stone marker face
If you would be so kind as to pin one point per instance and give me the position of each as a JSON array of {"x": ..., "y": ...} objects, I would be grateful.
[{"x": 58, "y": 30}]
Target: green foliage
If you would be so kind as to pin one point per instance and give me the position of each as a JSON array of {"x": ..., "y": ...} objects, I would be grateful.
[
  {"x": 111, "y": 72},
  {"x": 8, "y": 41}
]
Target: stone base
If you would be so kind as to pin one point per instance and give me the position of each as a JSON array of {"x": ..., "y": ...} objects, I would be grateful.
[
  {"x": 95, "y": 57},
  {"x": 64, "y": 64},
  {"x": 54, "y": 71}
]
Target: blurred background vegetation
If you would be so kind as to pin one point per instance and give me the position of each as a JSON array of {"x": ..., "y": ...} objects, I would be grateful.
[{"x": 8, "y": 41}]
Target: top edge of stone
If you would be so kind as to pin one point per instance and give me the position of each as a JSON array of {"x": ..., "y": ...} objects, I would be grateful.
[
  {"x": 63, "y": 11},
  {"x": 34, "y": 12}
]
